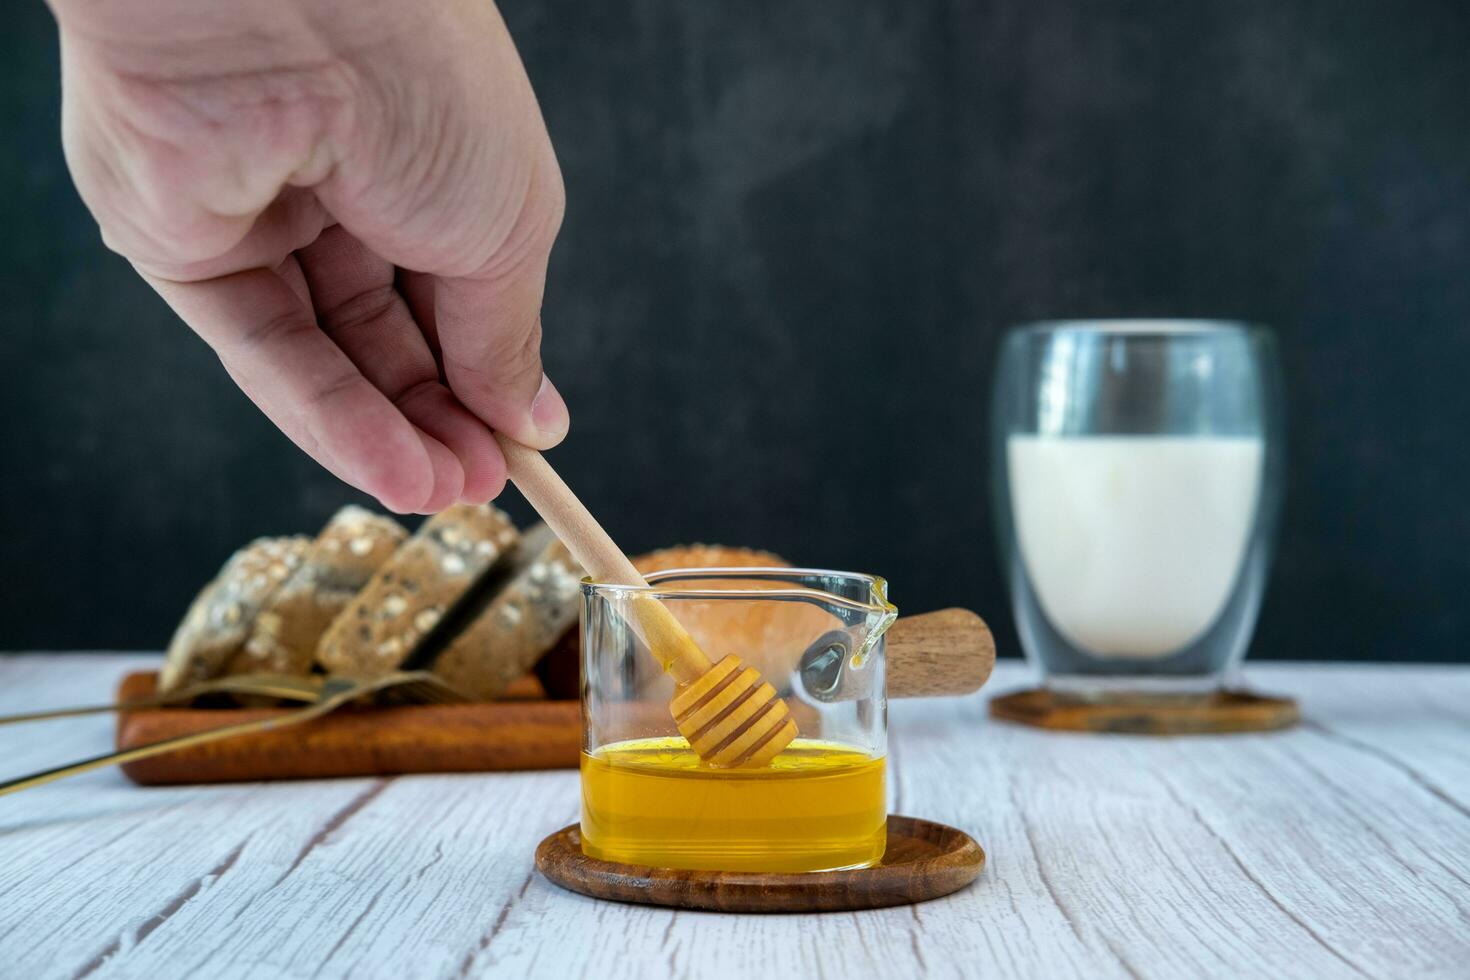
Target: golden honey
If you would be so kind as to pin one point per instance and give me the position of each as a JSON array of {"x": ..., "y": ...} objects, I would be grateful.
[{"x": 818, "y": 806}]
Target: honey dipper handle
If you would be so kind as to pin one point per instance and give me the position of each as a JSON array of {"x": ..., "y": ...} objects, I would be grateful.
[
  {"x": 563, "y": 512},
  {"x": 946, "y": 652},
  {"x": 603, "y": 560}
]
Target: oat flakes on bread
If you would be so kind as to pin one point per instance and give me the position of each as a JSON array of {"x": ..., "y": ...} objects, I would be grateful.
[
  {"x": 344, "y": 556},
  {"x": 535, "y": 599},
  {"x": 220, "y": 618},
  {"x": 410, "y": 593}
]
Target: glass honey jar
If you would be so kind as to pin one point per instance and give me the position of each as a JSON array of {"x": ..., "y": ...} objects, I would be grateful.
[{"x": 820, "y": 804}]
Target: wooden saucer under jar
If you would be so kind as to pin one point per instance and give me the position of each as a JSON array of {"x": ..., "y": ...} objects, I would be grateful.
[{"x": 923, "y": 860}]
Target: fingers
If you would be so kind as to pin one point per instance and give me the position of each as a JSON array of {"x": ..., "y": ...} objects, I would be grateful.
[
  {"x": 430, "y": 149},
  {"x": 295, "y": 218},
  {"x": 359, "y": 308},
  {"x": 417, "y": 290},
  {"x": 271, "y": 345},
  {"x": 490, "y": 333},
  {"x": 448, "y": 477},
  {"x": 469, "y": 194},
  {"x": 291, "y": 274},
  {"x": 493, "y": 358},
  {"x": 488, "y": 326},
  {"x": 449, "y": 472}
]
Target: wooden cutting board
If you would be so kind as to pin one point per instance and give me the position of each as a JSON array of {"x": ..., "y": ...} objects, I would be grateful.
[{"x": 529, "y": 733}]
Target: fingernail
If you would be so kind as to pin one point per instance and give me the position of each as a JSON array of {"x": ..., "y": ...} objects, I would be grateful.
[{"x": 549, "y": 413}]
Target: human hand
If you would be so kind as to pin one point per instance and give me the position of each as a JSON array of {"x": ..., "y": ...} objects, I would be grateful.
[{"x": 351, "y": 201}]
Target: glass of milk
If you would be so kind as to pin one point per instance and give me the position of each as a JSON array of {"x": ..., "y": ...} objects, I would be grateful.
[{"x": 1138, "y": 469}]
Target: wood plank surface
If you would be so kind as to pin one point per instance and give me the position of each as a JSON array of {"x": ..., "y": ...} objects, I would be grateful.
[
  {"x": 1340, "y": 848},
  {"x": 530, "y": 733}
]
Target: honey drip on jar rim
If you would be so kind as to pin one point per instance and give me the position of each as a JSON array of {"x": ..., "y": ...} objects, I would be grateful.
[{"x": 818, "y": 806}]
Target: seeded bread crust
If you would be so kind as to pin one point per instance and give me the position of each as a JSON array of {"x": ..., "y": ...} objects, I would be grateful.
[
  {"x": 221, "y": 617},
  {"x": 769, "y": 636},
  {"x": 410, "y": 593},
  {"x": 531, "y": 611},
  {"x": 342, "y": 559},
  {"x": 560, "y": 669},
  {"x": 705, "y": 556}
]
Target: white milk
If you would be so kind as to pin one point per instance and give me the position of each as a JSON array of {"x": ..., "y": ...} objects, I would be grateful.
[{"x": 1132, "y": 543}]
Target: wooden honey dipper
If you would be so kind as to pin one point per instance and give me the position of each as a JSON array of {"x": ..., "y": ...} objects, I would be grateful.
[{"x": 728, "y": 713}]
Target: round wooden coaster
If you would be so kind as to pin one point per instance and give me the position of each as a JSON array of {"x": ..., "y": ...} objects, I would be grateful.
[
  {"x": 924, "y": 860},
  {"x": 1220, "y": 712}
]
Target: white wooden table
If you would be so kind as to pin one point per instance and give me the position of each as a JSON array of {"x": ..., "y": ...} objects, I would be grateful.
[{"x": 1339, "y": 849}]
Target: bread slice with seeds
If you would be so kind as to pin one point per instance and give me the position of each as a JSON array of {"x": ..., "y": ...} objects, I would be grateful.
[
  {"x": 532, "y": 602},
  {"x": 415, "y": 589},
  {"x": 221, "y": 617},
  {"x": 344, "y": 556}
]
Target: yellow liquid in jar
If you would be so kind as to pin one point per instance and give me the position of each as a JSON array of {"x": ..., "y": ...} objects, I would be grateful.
[{"x": 819, "y": 806}]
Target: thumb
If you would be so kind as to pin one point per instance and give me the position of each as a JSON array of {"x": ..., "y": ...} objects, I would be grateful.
[
  {"x": 456, "y": 181},
  {"x": 489, "y": 332}
]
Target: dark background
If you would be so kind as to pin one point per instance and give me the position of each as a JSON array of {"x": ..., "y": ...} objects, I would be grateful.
[{"x": 795, "y": 231}]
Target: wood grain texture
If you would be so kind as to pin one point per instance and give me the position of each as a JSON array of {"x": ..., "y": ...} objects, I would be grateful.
[
  {"x": 505, "y": 735},
  {"x": 946, "y": 652},
  {"x": 1215, "y": 714},
  {"x": 1338, "y": 848},
  {"x": 923, "y": 861}
]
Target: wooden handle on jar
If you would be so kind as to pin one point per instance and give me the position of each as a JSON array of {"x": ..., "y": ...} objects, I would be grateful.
[{"x": 946, "y": 652}]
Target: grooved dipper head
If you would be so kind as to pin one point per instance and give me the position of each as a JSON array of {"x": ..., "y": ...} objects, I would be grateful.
[{"x": 732, "y": 718}]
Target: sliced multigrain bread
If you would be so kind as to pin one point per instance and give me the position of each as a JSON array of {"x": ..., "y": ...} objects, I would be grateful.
[
  {"x": 417, "y": 587},
  {"x": 344, "y": 556},
  {"x": 531, "y": 603},
  {"x": 222, "y": 615}
]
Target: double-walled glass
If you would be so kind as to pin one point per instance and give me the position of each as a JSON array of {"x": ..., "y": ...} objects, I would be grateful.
[
  {"x": 1138, "y": 469},
  {"x": 817, "y": 637}
]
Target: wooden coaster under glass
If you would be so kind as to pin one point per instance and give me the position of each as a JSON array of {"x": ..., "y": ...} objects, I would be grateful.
[{"x": 1214, "y": 713}]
